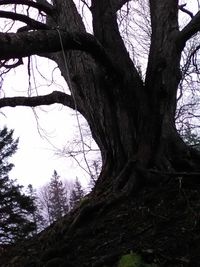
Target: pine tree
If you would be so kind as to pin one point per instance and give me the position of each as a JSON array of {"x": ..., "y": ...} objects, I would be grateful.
[
  {"x": 77, "y": 194},
  {"x": 58, "y": 203},
  {"x": 37, "y": 217},
  {"x": 15, "y": 207}
]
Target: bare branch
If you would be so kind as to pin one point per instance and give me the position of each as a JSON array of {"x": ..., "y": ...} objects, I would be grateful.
[
  {"x": 183, "y": 9},
  {"x": 11, "y": 66},
  {"x": 46, "y": 8},
  {"x": 187, "y": 64},
  {"x": 190, "y": 29},
  {"x": 54, "y": 97},
  {"x": 85, "y": 3},
  {"x": 31, "y": 22},
  {"x": 119, "y": 3},
  {"x": 23, "y": 44},
  {"x": 25, "y": 29},
  {"x": 105, "y": 18}
]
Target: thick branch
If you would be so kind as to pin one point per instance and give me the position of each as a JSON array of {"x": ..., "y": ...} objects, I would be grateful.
[
  {"x": 190, "y": 29},
  {"x": 16, "y": 45},
  {"x": 118, "y": 4},
  {"x": 55, "y": 97},
  {"x": 47, "y": 8},
  {"x": 106, "y": 29},
  {"x": 31, "y": 22}
]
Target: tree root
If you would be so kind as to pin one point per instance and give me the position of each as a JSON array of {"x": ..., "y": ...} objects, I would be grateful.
[
  {"x": 85, "y": 214},
  {"x": 130, "y": 180},
  {"x": 133, "y": 178},
  {"x": 128, "y": 183}
]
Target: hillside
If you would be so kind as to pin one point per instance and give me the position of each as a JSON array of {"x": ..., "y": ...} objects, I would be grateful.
[{"x": 160, "y": 224}]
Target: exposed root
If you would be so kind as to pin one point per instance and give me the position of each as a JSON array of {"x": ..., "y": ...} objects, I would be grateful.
[
  {"x": 134, "y": 177},
  {"x": 85, "y": 214},
  {"x": 131, "y": 179}
]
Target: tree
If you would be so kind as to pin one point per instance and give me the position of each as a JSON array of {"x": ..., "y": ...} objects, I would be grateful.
[
  {"x": 43, "y": 198},
  {"x": 76, "y": 194},
  {"x": 58, "y": 204},
  {"x": 132, "y": 119},
  {"x": 84, "y": 152},
  {"x": 37, "y": 217},
  {"x": 53, "y": 201},
  {"x": 131, "y": 111},
  {"x": 16, "y": 208}
]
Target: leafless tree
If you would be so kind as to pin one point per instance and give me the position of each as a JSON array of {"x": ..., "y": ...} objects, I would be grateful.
[{"x": 43, "y": 202}]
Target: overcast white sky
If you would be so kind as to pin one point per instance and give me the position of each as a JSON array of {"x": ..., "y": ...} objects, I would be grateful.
[{"x": 35, "y": 159}]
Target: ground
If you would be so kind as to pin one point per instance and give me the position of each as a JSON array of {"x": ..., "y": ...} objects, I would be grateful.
[{"x": 162, "y": 224}]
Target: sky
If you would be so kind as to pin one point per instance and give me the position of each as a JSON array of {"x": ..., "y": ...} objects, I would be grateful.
[{"x": 43, "y": 131}]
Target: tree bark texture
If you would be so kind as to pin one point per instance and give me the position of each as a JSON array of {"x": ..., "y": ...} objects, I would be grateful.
[{"x": 131, "y": 120}]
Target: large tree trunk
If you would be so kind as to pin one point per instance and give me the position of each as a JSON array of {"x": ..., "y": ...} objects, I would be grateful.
[
  {"x": 131, "y": 120},
  {"x": 133, "y": 123}
]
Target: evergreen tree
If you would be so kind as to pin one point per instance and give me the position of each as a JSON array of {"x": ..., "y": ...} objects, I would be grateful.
[
  {"x": 37, "y": 217},
  {"x": 58, "y": 204},
  {"x": 77, "y": 194},
  {"x": 15, "y": 207}
]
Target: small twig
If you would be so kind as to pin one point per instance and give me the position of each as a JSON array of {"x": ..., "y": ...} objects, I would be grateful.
[
  {"x": 23, "y": 18},
  {"x": 183, "y": 9},
  {"x": 45, "y": 7},
  {"x": 12, "y": 66},
  {"x": 85, "y": 3}
]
